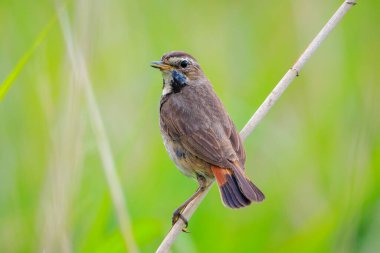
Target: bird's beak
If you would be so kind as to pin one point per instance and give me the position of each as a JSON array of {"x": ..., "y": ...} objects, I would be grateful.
[{"x": 160, "y": 65}]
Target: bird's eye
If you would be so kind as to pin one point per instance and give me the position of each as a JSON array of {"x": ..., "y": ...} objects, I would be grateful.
[{"x": 184, "y": 63}]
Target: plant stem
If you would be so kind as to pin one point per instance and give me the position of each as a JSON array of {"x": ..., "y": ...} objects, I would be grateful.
[{"x": 290, "y": 75}]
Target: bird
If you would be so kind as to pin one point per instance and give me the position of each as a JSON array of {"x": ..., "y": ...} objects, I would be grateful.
[{"x": 199, "y": 135}]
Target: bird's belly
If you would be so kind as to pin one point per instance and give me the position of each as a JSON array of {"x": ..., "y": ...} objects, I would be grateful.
[{"x": 187, "y": 163}]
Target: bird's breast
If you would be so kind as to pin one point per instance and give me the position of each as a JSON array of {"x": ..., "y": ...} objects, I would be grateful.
[{"x": 187, "y": 163}]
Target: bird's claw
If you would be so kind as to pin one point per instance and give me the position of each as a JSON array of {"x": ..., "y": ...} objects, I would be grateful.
[{"x": 178, "y": 215}]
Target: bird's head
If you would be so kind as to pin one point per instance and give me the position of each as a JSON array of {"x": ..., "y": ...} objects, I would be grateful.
[{"x": 178, "y": 69}]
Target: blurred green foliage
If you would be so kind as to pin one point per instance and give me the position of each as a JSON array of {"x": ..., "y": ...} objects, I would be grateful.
[{"x": 316, "y": 155}]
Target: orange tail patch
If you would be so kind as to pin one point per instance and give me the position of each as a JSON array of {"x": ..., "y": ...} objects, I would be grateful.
[{"x": 229, "y": 189}]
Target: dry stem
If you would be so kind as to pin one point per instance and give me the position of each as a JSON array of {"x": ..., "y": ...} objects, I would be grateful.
[{"x": 292, "y": 73}]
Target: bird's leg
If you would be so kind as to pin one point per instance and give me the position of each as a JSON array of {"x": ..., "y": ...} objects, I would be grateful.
[{"x": 178, "y": 212}]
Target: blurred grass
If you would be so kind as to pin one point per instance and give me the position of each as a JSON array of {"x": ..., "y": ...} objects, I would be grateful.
[
  {"x": 316, "y": 155},
  {"x": 4, "y": 87}
]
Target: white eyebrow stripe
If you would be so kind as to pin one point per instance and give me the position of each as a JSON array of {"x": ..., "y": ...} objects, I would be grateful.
[{"x": 178, "y": 59}]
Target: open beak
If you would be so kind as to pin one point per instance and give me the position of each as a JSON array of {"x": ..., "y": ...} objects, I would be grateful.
[{"x": 160, "y": 65}]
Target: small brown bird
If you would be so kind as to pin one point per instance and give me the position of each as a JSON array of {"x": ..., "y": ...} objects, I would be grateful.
[{"x": 199, "y": 135}]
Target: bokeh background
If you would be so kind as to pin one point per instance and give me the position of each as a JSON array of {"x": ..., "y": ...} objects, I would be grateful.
[{"x": 316, "y": 155}]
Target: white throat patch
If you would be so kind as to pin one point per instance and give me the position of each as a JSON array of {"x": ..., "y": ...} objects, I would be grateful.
[{"x": 166, "y": 75}]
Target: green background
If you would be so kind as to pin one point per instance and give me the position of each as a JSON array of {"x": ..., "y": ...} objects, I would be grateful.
[{"x": 316, "y": 155}]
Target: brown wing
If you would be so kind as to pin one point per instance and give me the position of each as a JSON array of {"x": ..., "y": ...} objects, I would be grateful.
[
  {"x": 207, "y": 145},
  {"x": 237, "y": 144},
  {"x": 203, "y": 128}
]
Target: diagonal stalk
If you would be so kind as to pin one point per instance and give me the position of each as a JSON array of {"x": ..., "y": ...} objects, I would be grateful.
[
  {"x": 290, "y": 75},
  {"x": 7, "y": 83}
]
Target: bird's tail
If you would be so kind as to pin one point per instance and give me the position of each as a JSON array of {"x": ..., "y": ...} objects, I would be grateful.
[{"x": 235, "y": 188}]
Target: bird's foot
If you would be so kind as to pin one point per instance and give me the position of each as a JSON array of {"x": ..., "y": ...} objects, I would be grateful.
[{"x": 178, "y": 215}]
